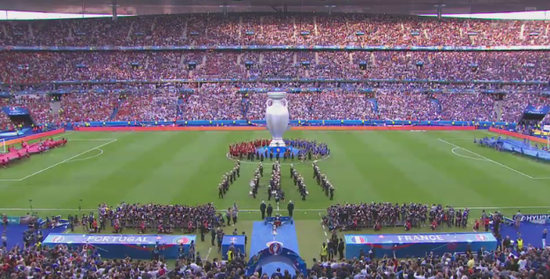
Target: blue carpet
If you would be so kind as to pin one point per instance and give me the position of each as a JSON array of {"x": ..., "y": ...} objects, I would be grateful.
[
  {"x": 261, "y": 235},
  {"x": 530, "y": 232}
]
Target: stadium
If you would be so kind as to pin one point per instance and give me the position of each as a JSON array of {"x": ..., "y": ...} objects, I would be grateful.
[{"x": 270, "y": 139}]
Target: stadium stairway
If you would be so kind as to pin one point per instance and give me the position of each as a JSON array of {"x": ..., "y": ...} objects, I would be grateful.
[
  {"x": 180, "y": 108},
  {"x": 498, "y": 109},
  {"x": 244, "y": 107},
  {"x": 530, "y": 232},
  {"x": 471, "y": 103},
  {"x": 437, "y": 104},
  {"x": 374, "y": 103},
  {"x": 55, "y": 107}
]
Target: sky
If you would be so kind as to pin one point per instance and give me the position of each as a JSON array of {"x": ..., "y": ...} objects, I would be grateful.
[
  {"x": 530, "y": 15},
  {"x": 17, "y": 15}
]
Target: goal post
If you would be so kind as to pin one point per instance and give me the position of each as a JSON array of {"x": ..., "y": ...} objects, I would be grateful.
[{"x": 3, "y": 148}]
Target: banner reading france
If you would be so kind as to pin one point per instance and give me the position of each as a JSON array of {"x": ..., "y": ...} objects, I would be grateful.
[
  {"x": 531, "y": 109},
  {"x": 417, "y": 245},
  {"x": 119, "y": 246}
]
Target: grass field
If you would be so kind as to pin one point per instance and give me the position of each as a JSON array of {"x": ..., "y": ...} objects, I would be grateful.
[{"x": 186, "y": 167}]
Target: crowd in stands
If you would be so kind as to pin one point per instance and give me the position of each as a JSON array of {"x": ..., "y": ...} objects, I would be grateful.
[
  {"x": 274, "y": 29},
  {"x": 61, "y": 261},
  {"x": 13, "y": 153},
  {"x": 152, "y": 218},
  {"x": 380, "y": 215},
  {"x": 73, "y": 262},
  {"x": 217, "y": 102},
  {"x": 37, "y": 67}
]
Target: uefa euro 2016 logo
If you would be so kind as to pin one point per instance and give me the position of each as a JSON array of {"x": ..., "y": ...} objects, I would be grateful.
[
  {"x": 275, "y": 248},
  {"x": 58, "y": 239}
]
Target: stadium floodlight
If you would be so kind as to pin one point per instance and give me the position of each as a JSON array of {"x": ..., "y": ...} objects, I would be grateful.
[
  {"x": 546, "y": 130},
  {"x": 277, "y": 117}
]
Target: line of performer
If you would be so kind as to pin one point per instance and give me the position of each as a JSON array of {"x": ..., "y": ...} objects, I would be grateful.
[
  {"x": 295, "y": 149},
  {"x": 228, "y": 179},
  {"x": 274, "y": 189},
  {"x": 323, "y": 181},
  {"x": 298, "y": 182}
]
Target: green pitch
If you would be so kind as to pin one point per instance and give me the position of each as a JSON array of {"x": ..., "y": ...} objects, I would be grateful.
[{"x": 186, "y": 167}]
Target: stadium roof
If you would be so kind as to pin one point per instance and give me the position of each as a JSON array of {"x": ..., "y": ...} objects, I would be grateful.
[{"x": 143, "y": 7}]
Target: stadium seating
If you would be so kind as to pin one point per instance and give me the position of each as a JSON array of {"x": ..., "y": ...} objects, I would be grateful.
[
  {"x": 224, "y": 102},
  {"x": 95, "y": 85}
]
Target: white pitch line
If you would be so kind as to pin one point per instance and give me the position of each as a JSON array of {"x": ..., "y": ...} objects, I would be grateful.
[
  {"x": 88, "y": 158},
  {"x": 9, "y": 180},
  {"x": 483, "y": 157},
  {"x": 208, "y": 254},
  {"x": 491, "y": 133},
  {"x": 470, "y": 138},
  {"x": 323, "y": 225},
  {"x": 91, "y": 139},
  {"x": 297, "y": 162},
  {"x": 59, "y": 163}
]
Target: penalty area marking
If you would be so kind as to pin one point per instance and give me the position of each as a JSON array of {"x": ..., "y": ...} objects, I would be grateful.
[
  {"x": 87, "y": 158},
  {"x": 470, "y": 138},
  {"x": 454, "y": 151},
  {"x": 59, "y": 163},
  {"x": 282, "y": 164},
  {"x": 297, "y": 210},
  {"x": 492, "y": 161}
]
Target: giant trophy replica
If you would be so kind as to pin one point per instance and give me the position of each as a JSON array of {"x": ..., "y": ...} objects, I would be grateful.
[{"x": 277, "y": 118}]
